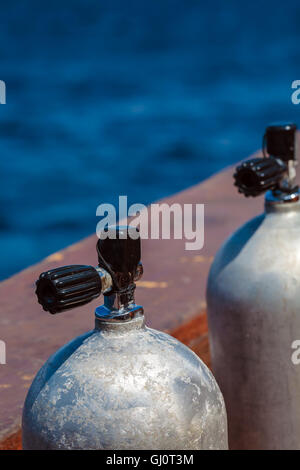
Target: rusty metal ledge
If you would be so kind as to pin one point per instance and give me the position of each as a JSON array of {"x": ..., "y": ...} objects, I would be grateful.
[{"x": 172, "y": 292}]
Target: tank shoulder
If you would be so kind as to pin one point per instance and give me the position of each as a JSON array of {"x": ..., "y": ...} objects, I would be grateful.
[
  {"x": 144, "y": 380},
  {"x": 53, "y": 364},
  {"x": 234, "y": 244},
  {"x": 186, "y": 359}
]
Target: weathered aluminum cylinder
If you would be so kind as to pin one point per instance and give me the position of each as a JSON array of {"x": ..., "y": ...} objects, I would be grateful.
[
  {"x": 253, "y": 299},
  {"x": 121, "y": 385}
]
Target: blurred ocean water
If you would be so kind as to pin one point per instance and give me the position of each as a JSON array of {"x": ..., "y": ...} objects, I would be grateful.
[{"x": 137, "y": 98}]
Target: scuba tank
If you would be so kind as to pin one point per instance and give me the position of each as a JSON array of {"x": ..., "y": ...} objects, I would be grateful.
[
  {"x": 253, "y": 304},
  {"x": 121, "y": 385}
]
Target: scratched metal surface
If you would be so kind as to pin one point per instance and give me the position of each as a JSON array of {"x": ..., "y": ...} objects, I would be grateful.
[
  {"x": 172, "y": 291},
  {"x": 124, "y": 386}
]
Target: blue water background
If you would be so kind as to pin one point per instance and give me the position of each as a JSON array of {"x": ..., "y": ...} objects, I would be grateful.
[{"x": 137, "y": 98}]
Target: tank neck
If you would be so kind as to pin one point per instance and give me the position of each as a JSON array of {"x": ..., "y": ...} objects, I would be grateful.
[
  {"x": 281, "y": 202},
  {"x": 115, "y": 316},
  {"x": 120, "y": 327}
]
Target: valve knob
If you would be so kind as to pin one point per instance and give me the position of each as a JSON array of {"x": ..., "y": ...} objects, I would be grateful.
[
  {"x": 257, "y": 175},
  {"x": 119, "y": 253},
  {"x": 68, "y": 287},
  {"x": 279, "y": 140}
]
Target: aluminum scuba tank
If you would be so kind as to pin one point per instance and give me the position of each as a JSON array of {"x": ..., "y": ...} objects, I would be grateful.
[
  {"x": 253, "y": 304},
  {"x": 121, "y": 385}
]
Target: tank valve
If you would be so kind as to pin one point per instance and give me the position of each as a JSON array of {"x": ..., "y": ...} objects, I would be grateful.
[
  {"x": 119, "y": 253},
  {"x": 275, "y": 171}
]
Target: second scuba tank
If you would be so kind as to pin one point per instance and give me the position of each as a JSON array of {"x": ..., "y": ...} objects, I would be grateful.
[
  {"x": 121, "y": 385},
  {"x": 253, "y": 299}
]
